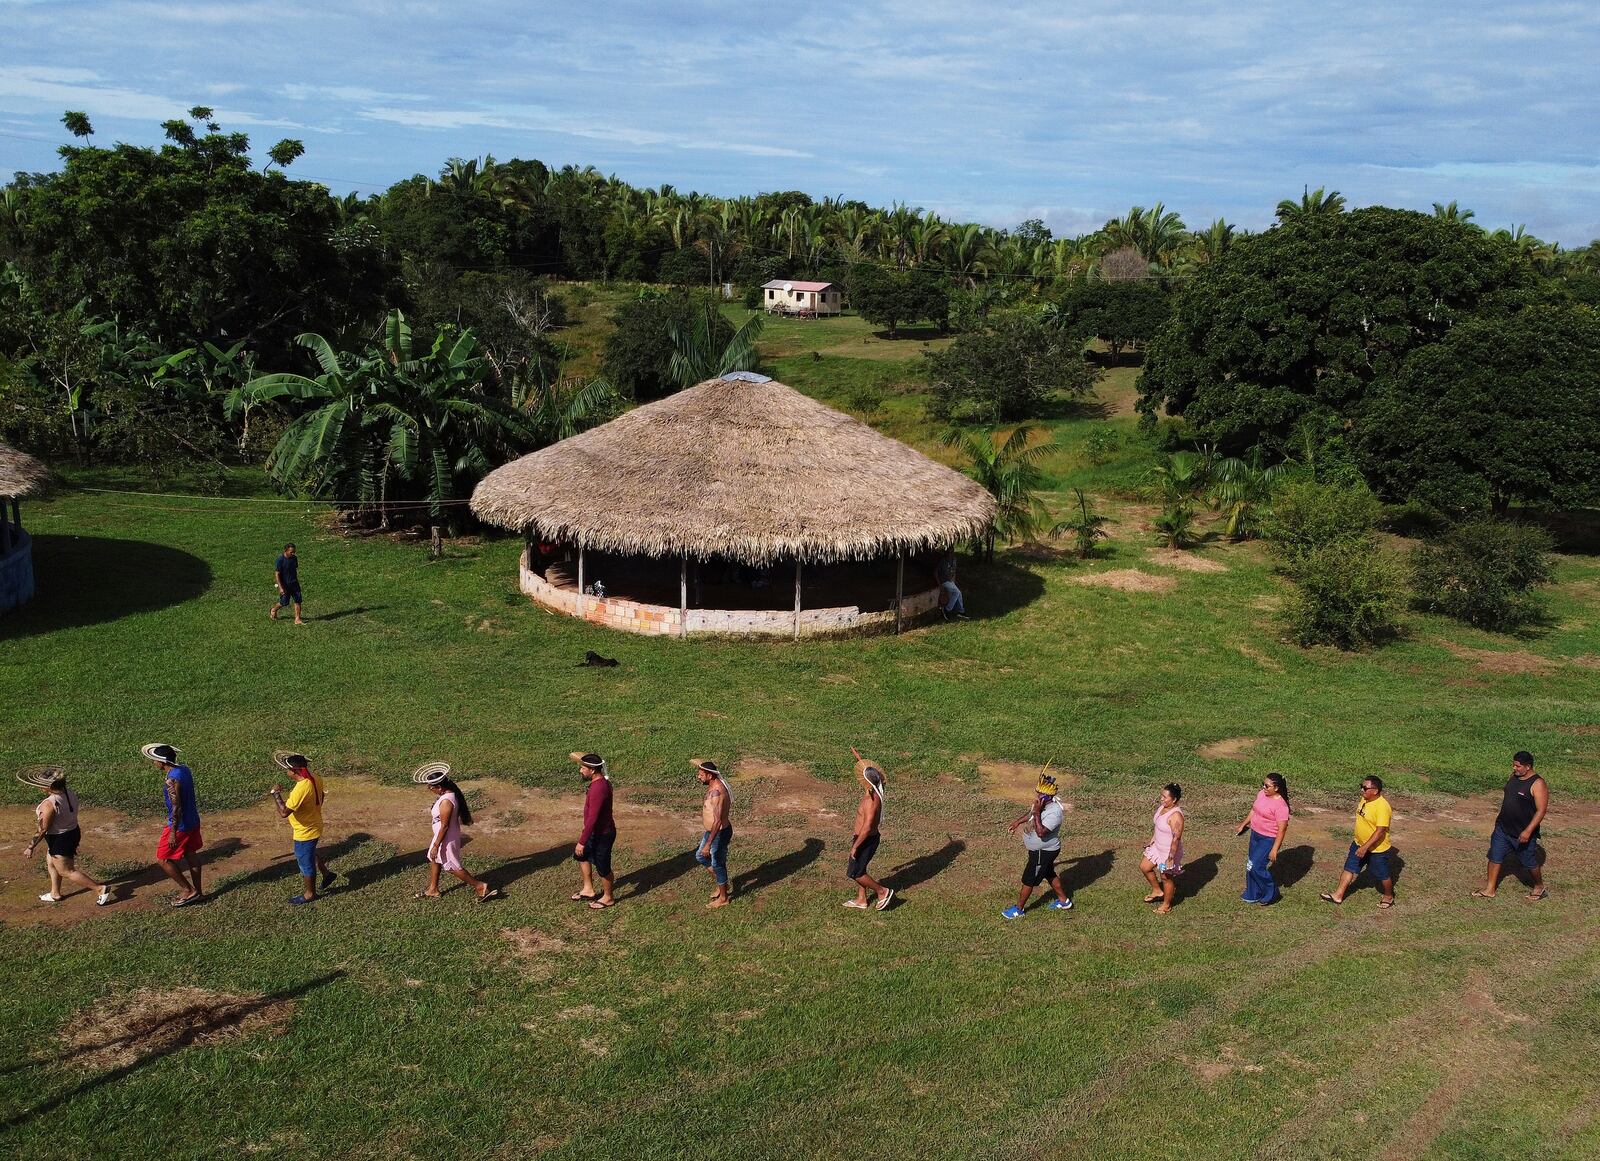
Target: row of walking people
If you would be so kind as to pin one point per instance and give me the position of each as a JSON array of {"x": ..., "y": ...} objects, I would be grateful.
[{"x": 1516, "y": 833}]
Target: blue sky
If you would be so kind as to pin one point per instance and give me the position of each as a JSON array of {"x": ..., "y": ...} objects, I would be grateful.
[{"x": 1070, "y": 111}]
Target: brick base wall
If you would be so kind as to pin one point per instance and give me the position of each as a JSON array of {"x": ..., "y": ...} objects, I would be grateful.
[{"x": 666, "y": 621}]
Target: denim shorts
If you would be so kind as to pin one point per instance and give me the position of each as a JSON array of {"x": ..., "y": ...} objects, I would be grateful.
[
  {"x": 305, "y": 853},
  {"x": 1503, "y": 845},
  {"x": 1376, "y": 862}
]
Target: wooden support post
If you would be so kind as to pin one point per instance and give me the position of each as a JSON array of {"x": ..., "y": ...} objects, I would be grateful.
[
  {"x": 899, "y": 591},
  {"x": 797, "y": 598},
  {"x": 583, "y": 599},
  {"x": 683, "y": 596}
]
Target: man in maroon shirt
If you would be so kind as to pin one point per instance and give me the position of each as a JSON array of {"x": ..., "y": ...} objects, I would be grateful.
[{"x": 593, "y": 851}]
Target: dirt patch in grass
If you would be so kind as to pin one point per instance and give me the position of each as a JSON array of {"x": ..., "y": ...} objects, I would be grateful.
[
  {"x": 149, "y": 1022},
  {"x": 1261, "y": 658},
  {"x": 1586, "y": 660},
  {"x": 1015, "y": 781},
  {"x": 513, "y": 820},
  {"x": 534, "y": 951},
  {"x": 1229, "y": 749},
  {"x": 1187, "y": 561},
  {"x": 1513, "y": 661},
  {"x": 1129, "y": 580},
  {"x": 766, "y": 790},
  {"x": 1580, "y": 731}
]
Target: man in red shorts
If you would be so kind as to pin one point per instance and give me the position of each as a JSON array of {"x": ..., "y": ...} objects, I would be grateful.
[{"x": 178, "y": 851}]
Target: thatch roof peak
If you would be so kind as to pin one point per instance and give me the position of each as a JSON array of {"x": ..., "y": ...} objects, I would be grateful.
[
  {"x": 743, "y": 468},
  {"x": 20, "y": 473}
]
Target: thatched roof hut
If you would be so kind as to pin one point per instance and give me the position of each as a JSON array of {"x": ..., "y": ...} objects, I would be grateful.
[
  {"x": 20, "y": 474},
  {"x": 704, "y": 492},
  {"x": 743, "y": 468}
]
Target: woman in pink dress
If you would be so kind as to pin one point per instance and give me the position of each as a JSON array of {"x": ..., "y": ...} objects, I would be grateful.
[
  {"x": 1163, "y": 858},
  {"x": 450, "y": 813}
]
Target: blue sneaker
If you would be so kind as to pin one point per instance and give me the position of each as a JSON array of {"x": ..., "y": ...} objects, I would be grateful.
[
  {"x": 1011, "y": 912},
  {"x": 1058, "y": 905},
  {"x": 299, "y": 899}
]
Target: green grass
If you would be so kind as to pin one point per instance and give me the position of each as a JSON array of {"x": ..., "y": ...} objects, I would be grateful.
[{"x": 784, "y": 1026}]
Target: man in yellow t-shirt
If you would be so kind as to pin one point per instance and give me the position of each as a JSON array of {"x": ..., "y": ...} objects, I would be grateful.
[
  {"x": 303, "y": 809},
  {"x": 1371, "y": 847}
]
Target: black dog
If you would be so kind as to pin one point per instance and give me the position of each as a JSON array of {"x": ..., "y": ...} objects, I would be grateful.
[{"x": 594, "y": 659}]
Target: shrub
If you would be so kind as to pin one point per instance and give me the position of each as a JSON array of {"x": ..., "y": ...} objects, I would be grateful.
[
  {"x": 1102, "y": 444},
  {"x": 1484, "y": 572},
  {"x": 1346, "y": 594},
  {"x": 1087, "y": 526},
  {"x": 1176, "y": 523},
  {"x": 1007, "y": 371},
  {"x": 1307, "y": 516}
]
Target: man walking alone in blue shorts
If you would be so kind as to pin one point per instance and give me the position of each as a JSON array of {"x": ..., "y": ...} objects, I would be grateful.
[
  {"x": 286, "y": 575},
  {"x": 712, "y": 853}
]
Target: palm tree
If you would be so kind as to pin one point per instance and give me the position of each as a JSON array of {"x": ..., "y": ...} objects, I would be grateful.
[
  {"x": 1087, "y": 526},
  {"x": 1243, "y": 491},
  {"x": 1009, "y": 472},
  {"x": 386, "y": 425},
  {"x": 1451, "y": 212},
  {"x": 696, "y": 355},
  {"x": 1311, "y": 204}
]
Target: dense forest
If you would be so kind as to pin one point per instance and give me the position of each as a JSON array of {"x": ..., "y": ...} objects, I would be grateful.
[{"x": 188, "y": 308}]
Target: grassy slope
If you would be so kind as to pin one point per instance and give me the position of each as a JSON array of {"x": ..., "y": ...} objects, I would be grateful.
[{"x": 797, "y": 1028}]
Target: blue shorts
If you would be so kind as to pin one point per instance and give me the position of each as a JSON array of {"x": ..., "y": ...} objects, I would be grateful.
[
  {"x": 1377, "y": 863},
  {"x": 290, "y": 595},
  {"x": 305, "y": 853},
  {"x": 1503, "y": 845},
  {"x": 717, "y": 857}
]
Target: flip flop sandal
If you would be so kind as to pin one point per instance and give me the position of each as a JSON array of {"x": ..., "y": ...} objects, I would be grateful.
[
  {"x": 424, "y": 895},
  {"x": 1385, "y": 903},
  {"x": 1481, "y": 895},
  {"x": 601, "y": 905},
  {"x": 580, "y": 897},
  {"x": 1327, "y": 898},
  {"x": 854, "y": 905},
  {"x": 184, "y": 901},
  {"x": 1539, "y": 897},
  {"x": 491, "y": 893},
  {"x": 888, "y": 898}
]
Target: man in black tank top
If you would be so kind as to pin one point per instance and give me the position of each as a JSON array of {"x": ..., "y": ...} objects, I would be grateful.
[{"x": 1516, "y": 828}]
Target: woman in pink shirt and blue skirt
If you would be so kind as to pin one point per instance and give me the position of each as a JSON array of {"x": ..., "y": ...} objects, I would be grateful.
[{"x": 1268, "y": 824}]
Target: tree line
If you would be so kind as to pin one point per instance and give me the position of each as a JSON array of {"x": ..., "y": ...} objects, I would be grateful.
[{"x": 145, "y": 294}]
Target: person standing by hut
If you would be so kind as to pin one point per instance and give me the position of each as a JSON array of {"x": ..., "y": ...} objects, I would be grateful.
[
  {"x": 178, "y": 849},
  {"x": 951, "y": 602},
  {"x": 57, "y": 816},
  {"x": 599, "y": 834},
  {"x": 303, "y": 809},
  {"x": 1041, "y": 838},
  {"x": 1163, "y": 857},
  {"x": 715, "y": 817},
  {"x": 864, "y": 842},
  {"x": 1516, "y": 827},
  {"x": 286, "y": 575},
  {"x": 1268, "y": 823},
  {"x": 450, "y": 813}
]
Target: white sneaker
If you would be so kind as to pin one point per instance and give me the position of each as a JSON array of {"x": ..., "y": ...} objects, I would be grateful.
[
  {"x": 48, "y": 898},
  {"x": 105, "y": 897}
]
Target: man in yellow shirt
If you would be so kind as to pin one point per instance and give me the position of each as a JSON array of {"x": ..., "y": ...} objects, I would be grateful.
[
  {"x": 303, "y": 809},
  {"x": 1370, "y": 850}
]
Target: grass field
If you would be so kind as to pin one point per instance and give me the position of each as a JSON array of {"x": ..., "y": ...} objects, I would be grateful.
[{"x": 375, "y": 1025}]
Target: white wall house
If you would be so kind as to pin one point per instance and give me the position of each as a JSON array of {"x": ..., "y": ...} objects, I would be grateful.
[{"x": 814, "y": 298}]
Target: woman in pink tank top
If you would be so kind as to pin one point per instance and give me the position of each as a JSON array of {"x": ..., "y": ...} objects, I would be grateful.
[{"x": 1163, "y": 858}]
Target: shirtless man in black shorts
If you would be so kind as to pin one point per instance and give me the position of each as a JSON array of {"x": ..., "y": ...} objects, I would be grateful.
[{"x": 864, "y": 843}]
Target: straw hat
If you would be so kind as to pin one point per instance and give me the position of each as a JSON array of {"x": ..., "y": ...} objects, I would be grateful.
[
  {"x": 291, "y": 759},
  {"x": 40, "y": 776},
  {"x": 153, "y": 751},
  {"x": 431, "y": 773}
]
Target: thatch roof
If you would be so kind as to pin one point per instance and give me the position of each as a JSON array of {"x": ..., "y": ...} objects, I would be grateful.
[
  {"x": 744, "y": 468},
  {"x": 20, "y": 474}
]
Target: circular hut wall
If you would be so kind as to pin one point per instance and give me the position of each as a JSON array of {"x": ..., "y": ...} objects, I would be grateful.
[{"x": 642, "y": 594}]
